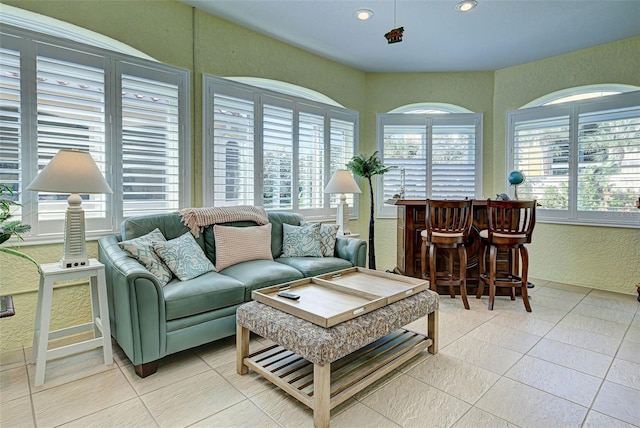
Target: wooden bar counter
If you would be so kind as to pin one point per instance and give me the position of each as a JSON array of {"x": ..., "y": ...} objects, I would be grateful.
[{"x": 411, "y": 222}]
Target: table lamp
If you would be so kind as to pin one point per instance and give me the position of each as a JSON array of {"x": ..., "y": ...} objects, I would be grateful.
[
  {"x": 74, "y": 172},
  {"x": 342, "y": 182}
]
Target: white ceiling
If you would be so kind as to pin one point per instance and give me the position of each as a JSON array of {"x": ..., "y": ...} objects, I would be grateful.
[{"x": 494, "y": 35}]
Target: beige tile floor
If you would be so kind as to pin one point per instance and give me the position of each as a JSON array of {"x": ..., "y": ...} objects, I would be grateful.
[{"x": 574, "y": 361}]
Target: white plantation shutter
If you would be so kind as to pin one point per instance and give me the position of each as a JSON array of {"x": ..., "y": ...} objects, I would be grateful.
[
  {"x": 277, "y": 157},
  {"x": 609, "y": 159},
  {"x": 311, "y": 177},
  {"x": 342, "y": 149},
  {"x": 581, "y": 159},
  {"x": 150, "y": 145},
  {"x": 435, "y": 156},
  {"x": 453, "y": 161},
  {"x": 70, "y": 115},
  {"x": 541, "y": 152},
  {"x": 274, "y": 147},
  {"x": 405, "y": 149},
  {"x": 233, "y": 151},
  {"x": 10, "y": 123},
  {"x": 131, "y": 115}
]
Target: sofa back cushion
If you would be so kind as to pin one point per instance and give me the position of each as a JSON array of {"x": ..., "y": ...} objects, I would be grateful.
[
  {"x": 171, "y": 226},
  {"x": 277, "y": 219}
]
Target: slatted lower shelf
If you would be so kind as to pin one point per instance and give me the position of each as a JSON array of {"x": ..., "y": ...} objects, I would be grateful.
[{"x": 349, "y": 375}]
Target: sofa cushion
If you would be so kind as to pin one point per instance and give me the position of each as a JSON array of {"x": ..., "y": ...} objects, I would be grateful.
[
  {"x": 141, "y": 249},
  {"x": 240, "y": 244},
  {"x": 301, "y": 241},
  {"x": 184, "y": 257},
  {"x": 328, "y": 235},
  {"x": 277, "y": 220},
  {"x": 202, "y": 294},
  {"x": 312, "y": 266},
  {"x": 257, "y": 274}
]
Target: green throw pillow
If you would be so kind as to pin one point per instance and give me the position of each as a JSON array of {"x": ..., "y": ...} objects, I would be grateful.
[
  {"x": 328, "y": 235},
  {"x": 141, "y": 249},
  {"x": 184, "y": 257},
  {"x": 301, "y": 241}
]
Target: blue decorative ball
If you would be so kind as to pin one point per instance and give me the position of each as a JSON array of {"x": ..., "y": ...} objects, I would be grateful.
[{"x": 516, "y": 178}]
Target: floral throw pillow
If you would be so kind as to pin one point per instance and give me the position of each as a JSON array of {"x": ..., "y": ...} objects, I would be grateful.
[
  {"x": 141, "y": 249},
  {"x": 301, "y": 241},
  {"x": 328, "y": 235},
  {"x": 184, "y": 257}
]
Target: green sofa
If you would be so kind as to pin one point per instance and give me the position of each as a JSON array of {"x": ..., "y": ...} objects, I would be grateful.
[{"x": 150, "y": 322}]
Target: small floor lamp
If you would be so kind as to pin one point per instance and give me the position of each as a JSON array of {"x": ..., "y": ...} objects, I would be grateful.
[
  {"x": 342, "y": 182},
  {"x": 74, "y": 172}
]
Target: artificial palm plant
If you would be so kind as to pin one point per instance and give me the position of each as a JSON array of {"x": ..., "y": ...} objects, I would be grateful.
[
  {"x": 9, "y": 227},
  {"x": 367, "y": 167}
]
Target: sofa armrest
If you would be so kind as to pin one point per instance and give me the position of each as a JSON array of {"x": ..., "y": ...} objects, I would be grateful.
[
  {"x": 352, "y": 249},
  {"x": 136, "y": 304}
]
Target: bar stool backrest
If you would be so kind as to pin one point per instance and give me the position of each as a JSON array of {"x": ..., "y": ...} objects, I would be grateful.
[
  {"x": 449, "y": 217},
  {"x": 510, "y": 222}
]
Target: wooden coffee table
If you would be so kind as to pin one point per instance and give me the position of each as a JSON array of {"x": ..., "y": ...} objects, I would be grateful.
[{"x": 324, "y": 366}]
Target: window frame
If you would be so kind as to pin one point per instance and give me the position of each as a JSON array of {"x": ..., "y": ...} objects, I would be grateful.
[
  {"x": 260, "y": 96},
  {"x": 443, "y": 117},
  {"x": 572, "y": 110},
  {"x": 115, "y": 65}
]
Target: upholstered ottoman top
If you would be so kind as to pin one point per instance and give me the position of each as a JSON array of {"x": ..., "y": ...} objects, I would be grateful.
[{"x": 321, "y": 345}]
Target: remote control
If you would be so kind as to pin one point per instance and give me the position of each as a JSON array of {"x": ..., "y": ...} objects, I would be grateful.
[{"x": 288, "y": 295}]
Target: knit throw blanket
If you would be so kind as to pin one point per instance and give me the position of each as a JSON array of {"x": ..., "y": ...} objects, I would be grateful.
[{"x": 196, "y": 219}]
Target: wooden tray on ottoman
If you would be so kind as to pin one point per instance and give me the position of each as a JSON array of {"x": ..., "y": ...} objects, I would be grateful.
[{"x": 343, "y": 294}]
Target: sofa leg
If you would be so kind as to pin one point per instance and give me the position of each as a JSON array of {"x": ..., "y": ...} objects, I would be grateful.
[{"x": 146, "y": 369}]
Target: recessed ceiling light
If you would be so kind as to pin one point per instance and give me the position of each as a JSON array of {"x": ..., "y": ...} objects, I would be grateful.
[
  {"x": 466, "y": 5},
  {"x": 363, "y": 14}
]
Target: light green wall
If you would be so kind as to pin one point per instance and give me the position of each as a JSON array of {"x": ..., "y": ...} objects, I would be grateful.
[
  {"x": 176, "y": 34},
  {"x": 601, "y": 257},
  {"x": 386, "y": 91}
]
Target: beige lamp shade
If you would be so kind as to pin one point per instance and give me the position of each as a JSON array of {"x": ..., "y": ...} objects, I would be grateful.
[
  {"x": 342, "y": 182},
  {"x": 71, "y": 171}
]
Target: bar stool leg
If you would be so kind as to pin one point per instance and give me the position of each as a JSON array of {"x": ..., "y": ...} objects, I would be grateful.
[
  {"x": 525, "y": 272},
  {"x": 492, "y": 275},
  {"x": 462, "y": 254},
  {"x": 433, "y": 273}
]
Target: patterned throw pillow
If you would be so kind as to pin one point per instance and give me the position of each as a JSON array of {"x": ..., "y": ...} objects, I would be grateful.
[
  {"x": 184, "y": 257},
  {"x": 328, "y": 235},
  {"x": 141, "y": 249},
  {"x": 301, "y": 241},
  {"x": 241, "y": 244}
]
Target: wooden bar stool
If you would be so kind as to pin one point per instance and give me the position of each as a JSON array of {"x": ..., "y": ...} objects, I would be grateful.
[
  {"x": 510, "y": 226},
  {"x": 448, "y": 224}
]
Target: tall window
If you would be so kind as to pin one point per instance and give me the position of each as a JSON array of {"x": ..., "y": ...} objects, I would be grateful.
[
  {"x": 436, "y": 154},
  {"x": 581, "y": 159},
  {"x": 273, "y": 149},
  {"x": 130, "y": 114}
]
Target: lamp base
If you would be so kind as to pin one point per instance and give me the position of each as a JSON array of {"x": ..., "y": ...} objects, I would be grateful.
[
  {"x": 342, "y": 219},
  {"x": 75, "y": 252}
]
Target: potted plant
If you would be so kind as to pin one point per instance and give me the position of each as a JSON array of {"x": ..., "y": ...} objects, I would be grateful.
[
  {"x": 9, "y": 227},
  {"x": 367, "y": 167}
]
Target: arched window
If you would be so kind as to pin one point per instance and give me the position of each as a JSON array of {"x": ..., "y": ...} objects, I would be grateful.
[
  {"x": 287, "y": 89},
  {"x": 274, "y": 144},
  {"x": 436, "y": 149},
  {"x": 580, "y": 93},
  {"x": 129, "y": 112},
  {"x": 579, "y": 149}
]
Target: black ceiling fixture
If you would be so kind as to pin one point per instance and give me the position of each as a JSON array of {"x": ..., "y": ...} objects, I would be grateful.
[{"x": 395, "y": 35}]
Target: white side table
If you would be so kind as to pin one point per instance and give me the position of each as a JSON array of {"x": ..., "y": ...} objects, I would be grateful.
[{"x": 51, "y": 273}]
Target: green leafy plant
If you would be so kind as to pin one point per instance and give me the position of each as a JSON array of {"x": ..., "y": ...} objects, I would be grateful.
[
  {"x": 9, "y": 227},
  {"x": 367, "y": 167}
]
